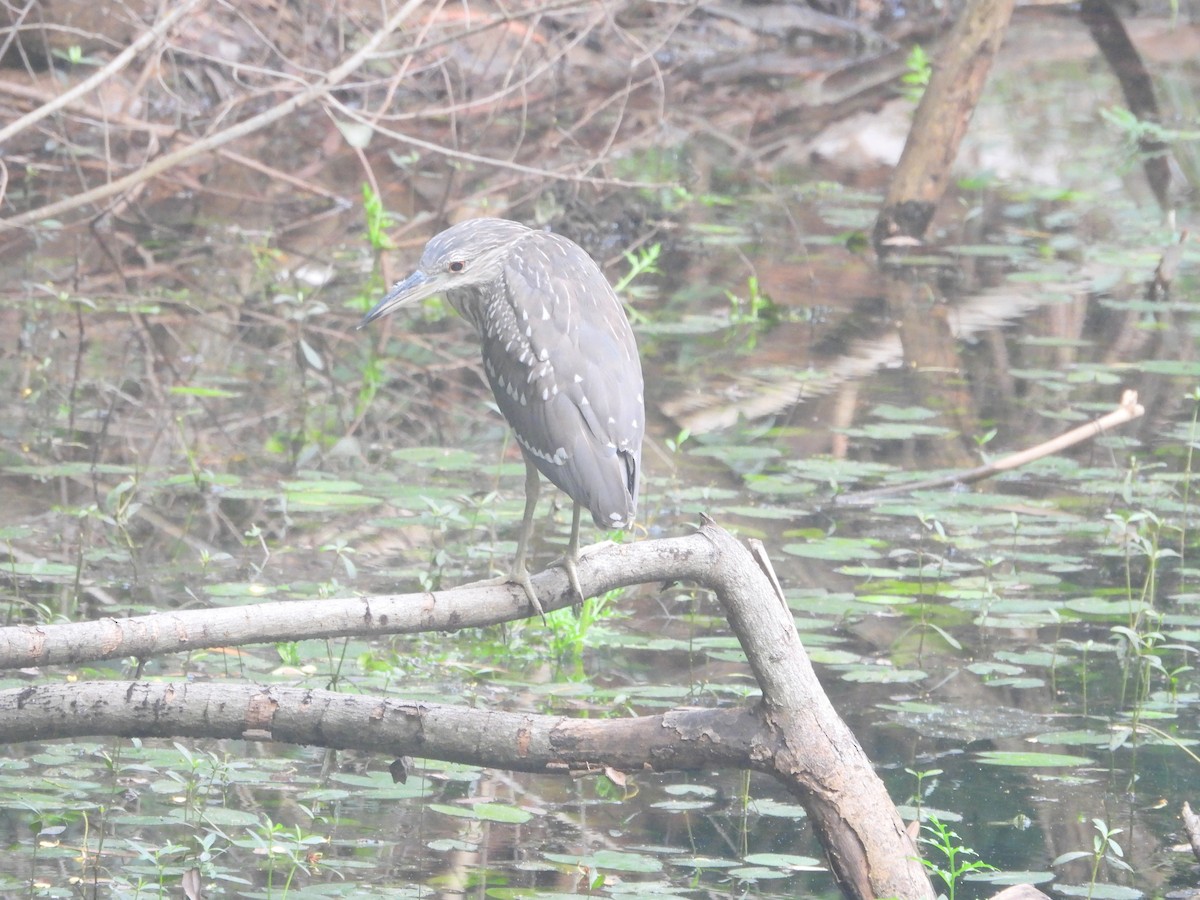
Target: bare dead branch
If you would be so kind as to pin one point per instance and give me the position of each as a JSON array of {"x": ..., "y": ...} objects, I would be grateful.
[
  {"x": 118, "y": 62},
  {"x": 161, "y": 164},
  {"x": 517, "y": 741},
  {"x": 465, "y": 156}
]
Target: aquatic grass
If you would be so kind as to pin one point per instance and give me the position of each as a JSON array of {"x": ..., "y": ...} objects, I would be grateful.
[
  {"x": 920, "y": 792},
  {"x": 570, "y": 628},
  {"x": 952, "y": 866},
  {"x": 1141, "y": 643},
  {"x": 1190, "y": 440},
  {"x": 757, "y": 308},
  {"x": 641, "y": 262},
  {"x": 1105, "y": 851},
  {"x": 297, "y": 849}
]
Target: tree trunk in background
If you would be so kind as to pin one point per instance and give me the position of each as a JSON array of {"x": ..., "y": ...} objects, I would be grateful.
[{"x": 960, "y": 71}]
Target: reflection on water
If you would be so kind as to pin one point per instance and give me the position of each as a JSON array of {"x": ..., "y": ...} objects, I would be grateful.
[{"x": 226, "y": 437}]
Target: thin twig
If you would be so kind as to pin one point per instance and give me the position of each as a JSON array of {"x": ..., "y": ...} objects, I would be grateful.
[
  {"x": 119, "y": 62},
  {"x": 163, "y": 163},
  {"x": 164, "y": 131},
  {"x": 463, "y": 155},
  {"x": 1129, "y": 410}
]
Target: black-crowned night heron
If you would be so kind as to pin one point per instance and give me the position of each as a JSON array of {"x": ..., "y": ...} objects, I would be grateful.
[{"x": 560, "y": 357}]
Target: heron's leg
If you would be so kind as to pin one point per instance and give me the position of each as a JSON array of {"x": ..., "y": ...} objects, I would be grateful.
[
  {"x": 571, "y": 559},
  {"x": 520, "y": 574}
]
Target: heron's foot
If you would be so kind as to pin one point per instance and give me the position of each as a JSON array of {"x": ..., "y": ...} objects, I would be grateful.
[
  {"x": 570, "y": 564},
  {"x": 519, "y": 577}
]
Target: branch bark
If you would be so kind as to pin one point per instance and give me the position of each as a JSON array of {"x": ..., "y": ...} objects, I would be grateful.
[
  {"x": 1123, "y": 57},
  {"x": 793, "y": 733},
  {"x": 682, "y": 739}
]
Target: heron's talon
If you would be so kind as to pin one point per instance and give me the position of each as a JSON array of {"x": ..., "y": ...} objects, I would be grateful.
[
  {"x": 522, "y": 579},
  {"x": 572, "y": 570}
]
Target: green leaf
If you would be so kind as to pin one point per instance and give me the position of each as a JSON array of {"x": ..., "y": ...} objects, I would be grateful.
[
  {"x": 1030, "y": 759},
  {"x": 185, "y": 390},
  {"x": 485, "y": 812},
  {"x": 613, "y": 860}
]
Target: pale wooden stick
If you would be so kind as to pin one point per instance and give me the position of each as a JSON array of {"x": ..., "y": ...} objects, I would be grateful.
[{"x": 1129, "y": 410}]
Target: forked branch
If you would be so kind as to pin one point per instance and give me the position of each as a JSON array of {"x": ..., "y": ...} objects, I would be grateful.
[{"x": 793, "y": 733}]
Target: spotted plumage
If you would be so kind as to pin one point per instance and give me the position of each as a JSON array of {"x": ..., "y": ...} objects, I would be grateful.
[{"x": 559, "y": 355}]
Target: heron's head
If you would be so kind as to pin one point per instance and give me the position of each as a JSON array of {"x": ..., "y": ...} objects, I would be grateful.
[{"x": 466, "y": 255}]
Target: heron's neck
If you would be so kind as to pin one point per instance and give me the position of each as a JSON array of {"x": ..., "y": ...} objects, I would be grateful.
[{"x": 471, "y": 304}]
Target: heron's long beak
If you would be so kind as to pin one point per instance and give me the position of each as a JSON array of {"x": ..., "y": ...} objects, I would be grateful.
[{"x": 415, "y": 287}]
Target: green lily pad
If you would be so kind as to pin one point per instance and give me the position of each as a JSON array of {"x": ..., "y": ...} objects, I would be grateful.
[
  {"x": 1029, "y": 759},
  {"x": 485, "y": 812}
]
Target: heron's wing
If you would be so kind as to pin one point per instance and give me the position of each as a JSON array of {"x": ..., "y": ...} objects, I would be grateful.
[{"x": 564, "y": 366}]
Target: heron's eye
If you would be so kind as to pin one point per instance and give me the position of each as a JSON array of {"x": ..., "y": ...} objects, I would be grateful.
[{"x": 457, "y": 266}]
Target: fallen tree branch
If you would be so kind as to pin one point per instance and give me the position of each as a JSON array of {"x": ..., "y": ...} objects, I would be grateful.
[
  {"x": 681, "y": 739},
  {"x": 793, "y": 733},
  {"x": 1129, "y": 410},
  {"x": 378, "y": 615}
]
